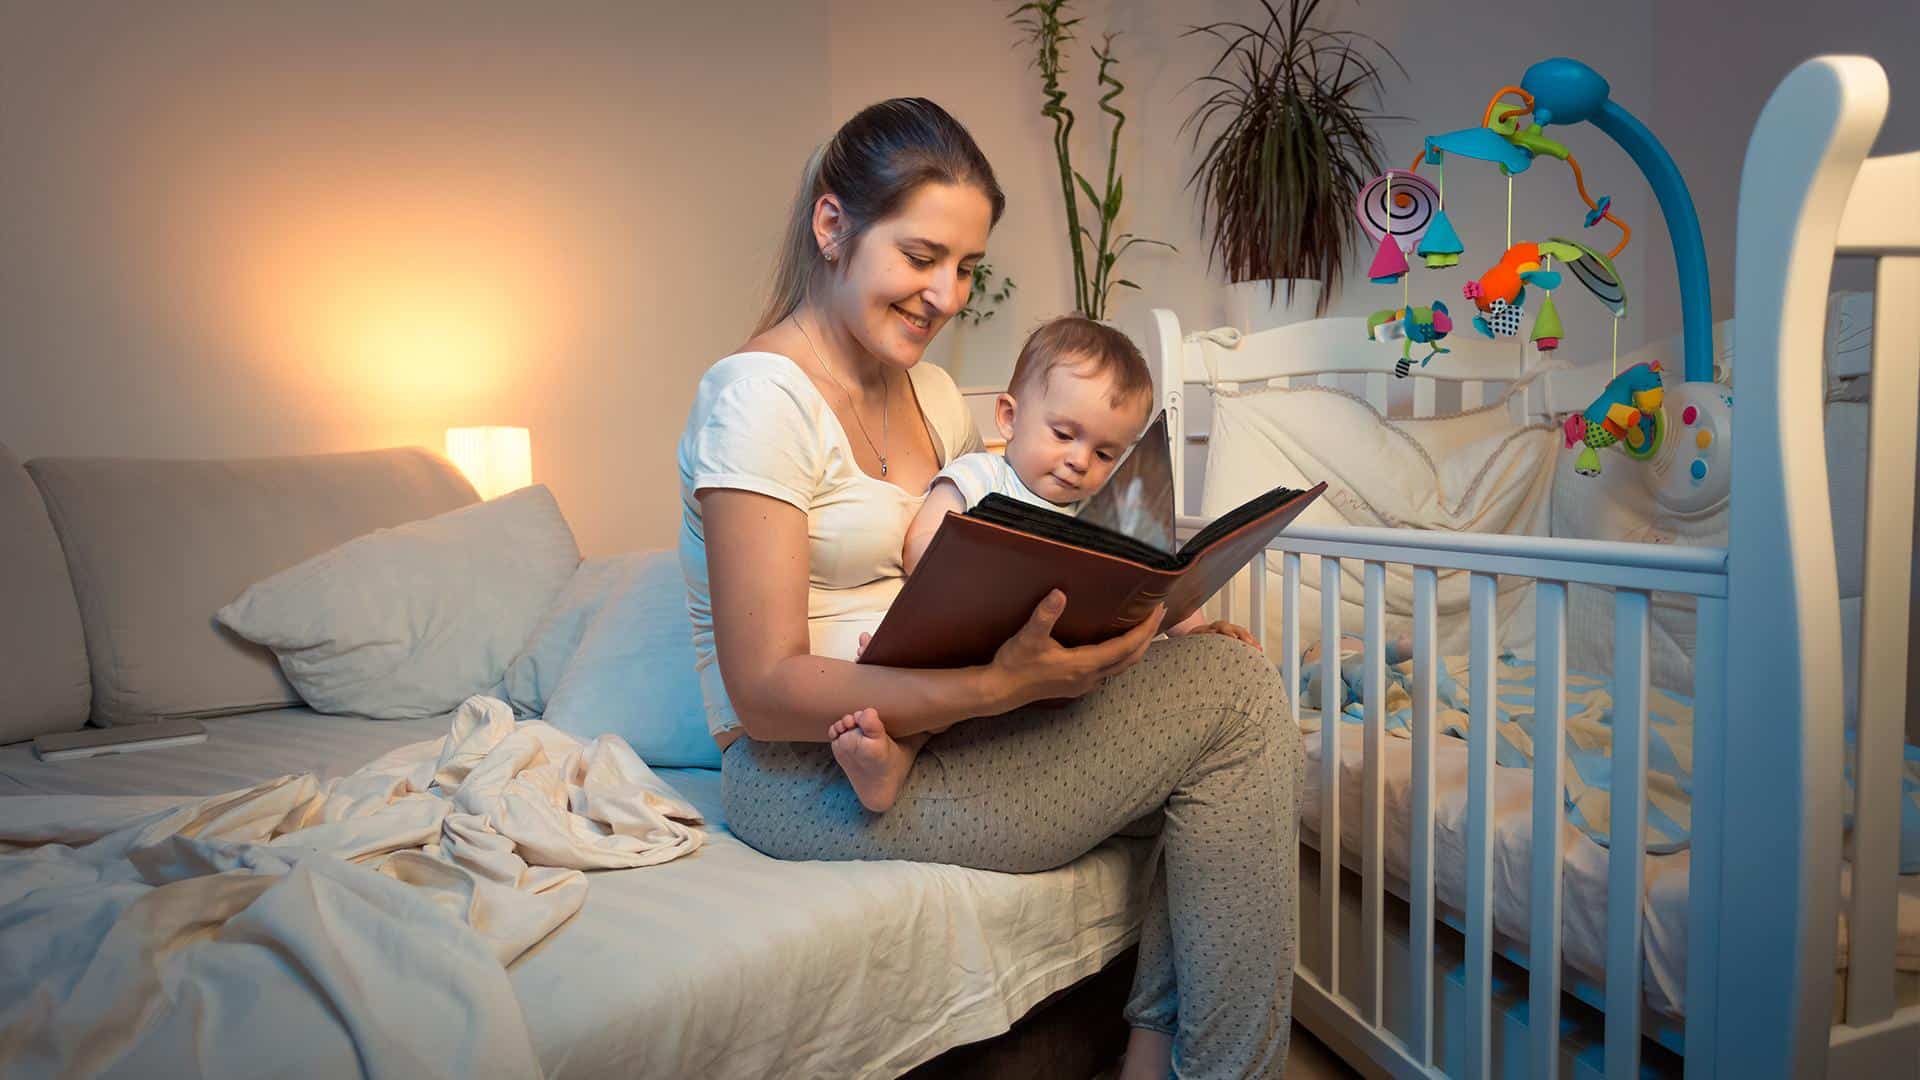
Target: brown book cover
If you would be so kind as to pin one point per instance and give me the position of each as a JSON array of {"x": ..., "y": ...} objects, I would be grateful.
[{"x": 986, "y": 570}]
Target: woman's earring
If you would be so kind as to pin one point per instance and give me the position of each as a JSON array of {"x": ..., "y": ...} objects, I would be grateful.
[{"x": 829, "y": 254}]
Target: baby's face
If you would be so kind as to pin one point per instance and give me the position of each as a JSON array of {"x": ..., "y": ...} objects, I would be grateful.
[{"x": 1064, "y": 438}]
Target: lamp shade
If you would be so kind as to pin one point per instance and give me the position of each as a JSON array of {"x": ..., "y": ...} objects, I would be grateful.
[{"x": 496, "y": 460}]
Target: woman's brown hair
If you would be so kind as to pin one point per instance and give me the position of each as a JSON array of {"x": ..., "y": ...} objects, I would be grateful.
[{"x": 872, "y": 165}]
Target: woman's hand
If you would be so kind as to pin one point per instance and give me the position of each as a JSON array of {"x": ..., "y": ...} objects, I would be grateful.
[{"x": 1032, "y": 666}]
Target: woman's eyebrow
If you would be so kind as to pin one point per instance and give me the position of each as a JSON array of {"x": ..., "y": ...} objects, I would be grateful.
[{"x": 937, "y": 247}]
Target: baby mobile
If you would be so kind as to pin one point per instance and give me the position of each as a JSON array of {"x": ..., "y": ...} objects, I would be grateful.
[{"x": 1405, "y": 214}]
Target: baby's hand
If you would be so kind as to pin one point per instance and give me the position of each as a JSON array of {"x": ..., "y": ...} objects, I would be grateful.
[
  {"x": 860, "y": 650},
  {"x": 1232, "y": 630}
]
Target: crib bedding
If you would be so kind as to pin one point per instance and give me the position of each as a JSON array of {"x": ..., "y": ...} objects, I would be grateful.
[
  {"x": 1583, "y": 881},
  {"x": 1588, "y": 753},
  {"x": 724, "y": 962},
  {"x": 1588, "y": 726}
]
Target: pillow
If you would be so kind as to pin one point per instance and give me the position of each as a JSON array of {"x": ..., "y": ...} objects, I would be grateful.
[
  {"x": 411, "y": 621},
  {"x": 44, "y": 682},
  {"x": 1470, "y": 472},
  {"x": 633, "y": 674},
  {"x": 156, "y": 546},
  {"x": 535, "y": 673}
]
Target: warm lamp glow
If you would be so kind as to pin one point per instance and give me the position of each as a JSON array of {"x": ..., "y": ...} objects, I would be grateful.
[{"x": 496, "y": 459}]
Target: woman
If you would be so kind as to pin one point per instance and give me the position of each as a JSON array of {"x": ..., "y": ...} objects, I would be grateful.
[{"x": 804, "y": 459}]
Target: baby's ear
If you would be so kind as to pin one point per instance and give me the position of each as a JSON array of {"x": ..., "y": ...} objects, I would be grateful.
[{"x": 1004, "y": 409}]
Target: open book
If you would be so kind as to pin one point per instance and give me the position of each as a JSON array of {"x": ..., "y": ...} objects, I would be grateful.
[{"x": 986, "y": 570}]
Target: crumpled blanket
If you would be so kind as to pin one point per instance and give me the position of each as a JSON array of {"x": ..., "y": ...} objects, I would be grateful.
[{"x": 361, "y": 926}]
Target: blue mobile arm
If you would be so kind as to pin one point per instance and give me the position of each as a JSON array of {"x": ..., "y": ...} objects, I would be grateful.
[{"x": 1569, "y": 92}]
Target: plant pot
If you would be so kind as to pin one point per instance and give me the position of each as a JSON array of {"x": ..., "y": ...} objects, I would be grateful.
[{"x": 1251, "y": 309}]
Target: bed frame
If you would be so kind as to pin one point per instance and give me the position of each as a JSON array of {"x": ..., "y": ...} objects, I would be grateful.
[{"x": 1763, "y": 897}]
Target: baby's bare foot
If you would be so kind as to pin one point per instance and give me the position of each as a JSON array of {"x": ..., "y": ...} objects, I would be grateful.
[{"x": 876, "y": 763}]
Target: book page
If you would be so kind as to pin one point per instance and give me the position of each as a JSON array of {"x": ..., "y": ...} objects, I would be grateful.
[{"x": 1138, "y": 498}]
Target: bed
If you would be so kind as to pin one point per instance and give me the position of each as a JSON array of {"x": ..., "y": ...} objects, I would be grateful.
[
  {"x": 724, "y": 962},
  {"x": 1443, "y": 932}
]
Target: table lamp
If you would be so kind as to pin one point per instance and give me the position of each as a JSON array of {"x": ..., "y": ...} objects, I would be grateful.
[{"x": 496, "y": 460}]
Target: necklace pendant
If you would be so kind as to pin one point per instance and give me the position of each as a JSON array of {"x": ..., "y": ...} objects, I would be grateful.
[{"x": 883, "y": 466}]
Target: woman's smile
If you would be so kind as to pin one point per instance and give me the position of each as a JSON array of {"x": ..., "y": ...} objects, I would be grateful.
[{"x": 918, "y": 327}]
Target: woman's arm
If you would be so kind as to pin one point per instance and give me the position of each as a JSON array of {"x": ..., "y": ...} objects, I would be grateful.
[
  {"x": 757, "y": 575},
  {"x": 943, "y": 498}
]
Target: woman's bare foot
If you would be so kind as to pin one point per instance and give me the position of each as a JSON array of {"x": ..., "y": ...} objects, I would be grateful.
[{"x": 876, "y": 763}]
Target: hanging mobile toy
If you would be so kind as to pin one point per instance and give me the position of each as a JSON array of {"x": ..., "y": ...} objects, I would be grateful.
[
  {"x": 1501, "y": 292},
  {"x": 1441, "y": 246},
  {"x": 1395, "y": 209},
  {"x": 1626, "y": 414},
  {"x": 1398, "y": 209},
  {"x": 1638, "y": 409},
  {"x": 1546, "y": 326},
  {"x": 1414, "y": 326}
]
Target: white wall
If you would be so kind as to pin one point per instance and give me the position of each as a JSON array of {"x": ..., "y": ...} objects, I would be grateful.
[{"x": 236, "y": 229}]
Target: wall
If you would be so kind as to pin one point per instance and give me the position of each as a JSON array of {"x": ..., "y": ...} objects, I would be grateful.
[
  {"x": 1455, "y": 59},
  {"x": 251, "y": 229},
  {"x": 239, "y": 229},
  {"x": 1712, "y": 76}
]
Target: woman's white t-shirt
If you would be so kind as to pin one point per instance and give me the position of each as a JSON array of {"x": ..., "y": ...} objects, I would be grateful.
[{"x": 758, "y": 424}]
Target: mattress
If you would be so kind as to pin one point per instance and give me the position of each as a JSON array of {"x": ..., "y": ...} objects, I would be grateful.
[
  {"x": 1583, "y": 934},
  {"x": 725, "y": 963}
]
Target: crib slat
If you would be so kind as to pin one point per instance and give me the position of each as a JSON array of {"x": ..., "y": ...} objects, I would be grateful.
[
  {"x": 1473, "y": 394},
  {"x": 1703, "y": 875},
  {"x": 1423, "y": 397},
  {"x": 1331, "y": 701},
  {"x": 1290, "y": 632},
  {"x": 1627, "y": 831},
  {"x": 1290, "y": 665},
  {"x": 1883, "y": 627},
  {"x": 1376, "y": 385},
  {"x": 1226, "y": 597},
  {"x": 1549, "y": 727},
  {"x": 1257, "y": 598},
  {"x": 1374, "y": 810},
  {"x": 1420, "y": 866},
  {"x": 1482, "y": 593}
]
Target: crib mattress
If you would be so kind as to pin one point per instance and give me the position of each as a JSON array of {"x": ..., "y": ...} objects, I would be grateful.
[
  {"x": 725, "y": 963},
  {"x": 1583, "y": 933}
]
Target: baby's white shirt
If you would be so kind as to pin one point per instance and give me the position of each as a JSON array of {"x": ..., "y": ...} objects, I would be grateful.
[{"x": 983, "y": 473}]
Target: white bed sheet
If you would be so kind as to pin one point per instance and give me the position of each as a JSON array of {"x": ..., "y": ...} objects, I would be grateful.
[
  {"x": 726, "y": 962},
  {"x": 1583, "y": 883}
]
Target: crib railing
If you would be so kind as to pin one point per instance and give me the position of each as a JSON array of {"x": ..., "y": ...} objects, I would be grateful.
[{"x": 1633, "y": 572}]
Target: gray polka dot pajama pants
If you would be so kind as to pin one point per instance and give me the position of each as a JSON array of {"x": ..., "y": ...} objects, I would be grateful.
[{"x": 1193, "y": 738}]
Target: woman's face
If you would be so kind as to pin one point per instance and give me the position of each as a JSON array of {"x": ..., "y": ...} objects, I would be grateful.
[{"x": 910, "y": 273}]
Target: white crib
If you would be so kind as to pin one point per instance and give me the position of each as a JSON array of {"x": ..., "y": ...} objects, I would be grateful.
[{"x": 1397, "y": 990}]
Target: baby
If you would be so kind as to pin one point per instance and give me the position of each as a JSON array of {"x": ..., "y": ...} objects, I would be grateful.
[{"x": 1080, "y": 395}]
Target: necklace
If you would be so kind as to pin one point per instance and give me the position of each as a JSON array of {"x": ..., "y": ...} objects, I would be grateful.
[{"x": 886, "y": 408}]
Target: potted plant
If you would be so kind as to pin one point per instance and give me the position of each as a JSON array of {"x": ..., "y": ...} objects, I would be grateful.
[
  {"x": 1049, "y": 27},
  {"x": 1289, "y": 151}
]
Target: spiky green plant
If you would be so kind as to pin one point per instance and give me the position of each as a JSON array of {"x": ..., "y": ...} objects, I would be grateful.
[
  {"x": 1279, "y": 177},
  {"x": 1048, "y": 27}
]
